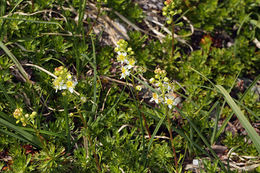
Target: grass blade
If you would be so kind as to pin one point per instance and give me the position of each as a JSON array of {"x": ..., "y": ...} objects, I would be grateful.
[
  {"x": 43, "y": 132},
  {"x": 94, "y": 107},
  {"x": 180, "y": 132},
  {"x": 111, "y": 109},
  {"x": 155, "y": 131},
  {"x": 9, "y": 99},
  {"x": 32, "y": 21},
  {"x": 31, "y": 138},
  {"x": 240, "y": 100},
  {"x": 202, "y": 137},
  {"x": 17, "y": 63},
  {"x": 14, "y": 135},
  {"x": 19, "y": 2},
  {"x": 212, "y": 140},
  {"x": 243, "y": 120}
]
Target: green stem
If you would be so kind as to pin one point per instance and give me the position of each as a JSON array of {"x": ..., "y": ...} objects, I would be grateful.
[
  {"x": 89, "y": 139},
  {"x": 140, "y": 107},
  {"x": 173, "y": 28},
  {"x": 141, "y": 123},
  {"x": 42, "y": 140},
  {"x": 67, "y": 121},
  {"x": 171, "y": 138}
]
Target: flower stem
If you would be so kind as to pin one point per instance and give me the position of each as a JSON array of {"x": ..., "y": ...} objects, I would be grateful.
[
  {"x": 171, "y": 138},
  {"x": 42, "y": 140},
  {"x": 140, "y": 107},
  {"x": 89, "y": 139},
  {"x": 173, "y": 28}
]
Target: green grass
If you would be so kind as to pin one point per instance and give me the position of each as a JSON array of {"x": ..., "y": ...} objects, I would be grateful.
[{"x": 95, "y": 120}]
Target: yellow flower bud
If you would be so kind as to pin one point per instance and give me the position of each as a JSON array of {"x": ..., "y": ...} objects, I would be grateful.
[
  {"x": 166, "y": 79},
  {"x": 83, "y": 99},
  {"x": 152, "y": 80},
  {"x": 32, "y": 116},
  {"x": 138, "y": 87}
]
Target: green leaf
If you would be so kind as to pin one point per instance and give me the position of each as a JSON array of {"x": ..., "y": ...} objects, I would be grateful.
[
  {"x": 43, "y": 132},
  {"x": 256, "y": 23},
  {"x": 33, "y": 21},
  {"x": 243, "y": 120},
  {"x": 17, "y": 63},
  {"x": 31, "y": 138}
]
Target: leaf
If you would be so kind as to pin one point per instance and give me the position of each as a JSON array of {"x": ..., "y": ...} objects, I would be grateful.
[
  {"x": 243, "y": 120},
  {"x": 33, "y": 21},
  {"x": 256, "y": 23},
  {"x": 17, "y": 63},
  {"x": 31, "y": 138}
]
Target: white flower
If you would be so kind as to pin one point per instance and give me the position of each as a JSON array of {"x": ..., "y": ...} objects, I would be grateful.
[
  {"x": 124, "y": 73},
  {"x": 121, "y": 57},
  {"x": 168, "y": 86},
  {"x": 57, "y": 84},
  {"x": 195, "y": 162},
  {"x": 171, "y": 100},
  {"x": 131, "y": 63},
  {"x": 71, "y": 85},
  {"x": 155, "y": 98}
]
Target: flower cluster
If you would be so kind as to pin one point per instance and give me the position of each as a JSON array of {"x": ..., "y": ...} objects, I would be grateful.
[
  {"x": 165, "y": 94},
  {"x": 170, "y": 10},
  {"x": 124, "y": 56},
  {"x": 64, "y": 80},
  {"x": 24, "y": 118}
]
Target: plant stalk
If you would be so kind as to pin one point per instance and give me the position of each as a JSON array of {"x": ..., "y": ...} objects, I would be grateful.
[
  {"x": 171, "y": 138},
  {"x": 89, "y": 139},
  {"x": 173, "y": 29},
  {"x": 140, "y": 107}
]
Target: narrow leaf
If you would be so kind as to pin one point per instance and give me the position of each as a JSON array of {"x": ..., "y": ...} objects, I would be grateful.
[
  {"x": 17, "y": 63},
  {"x": 243, "y": 120}
]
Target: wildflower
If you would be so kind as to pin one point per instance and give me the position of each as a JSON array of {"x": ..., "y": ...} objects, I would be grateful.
[
  {"x": 83, "y": 99},
  {"x": 155, "y": 98},
  {"x": 57, "y": 70},
  {"x": 32, "y": 116},
  {"x": 121, "y": 57},
  {"x": 171, "y": 99},
  {"x": 69, "y": 76},
  {"x": 195, "y": 162},
  {"x": 71, "y": 85},
  {"x": 152, "y": 80},
  {"x": 169, "y": 102},
  {"x": 63, "y": 80},
  {"x": 56, "y": 84},
  {"x": 18, "y": 113},
  {"x": 158, "y": 84},
  {"x": 131, "y": 63},
  {"x": 138, "y": 87},
  {"x": 167, "y": 86},
  {"x": 165, "y": 79},
  {"x": 23, "y": 118},
  {"x": 125, "y": 72}
]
